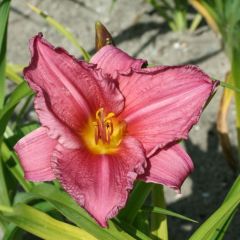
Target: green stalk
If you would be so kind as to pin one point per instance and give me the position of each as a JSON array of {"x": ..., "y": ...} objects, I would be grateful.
[
  {"x": 63, "y": 30},
  {"x": 159, "y": 227},
  {"x": 236, "y": 81},
  {"x": 195, "y": 22},
  {"x": 4, "y": 13},
  {"x": 135, "y": 202},
  {"x": 4, "y": 197}
]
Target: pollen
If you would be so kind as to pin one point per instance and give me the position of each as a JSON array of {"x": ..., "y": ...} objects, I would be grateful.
[{"x": 103, "y": 133}]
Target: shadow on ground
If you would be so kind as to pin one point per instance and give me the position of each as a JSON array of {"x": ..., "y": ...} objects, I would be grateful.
[{"x": 212, "y": 180}]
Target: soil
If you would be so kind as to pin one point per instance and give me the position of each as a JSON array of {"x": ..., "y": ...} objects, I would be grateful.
[{"x": 147, "y": 36}]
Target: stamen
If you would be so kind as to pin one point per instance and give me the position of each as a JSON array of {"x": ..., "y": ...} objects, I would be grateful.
[
  {"x": 103, "y": 126},
  {"x": 96, "y": 134}
]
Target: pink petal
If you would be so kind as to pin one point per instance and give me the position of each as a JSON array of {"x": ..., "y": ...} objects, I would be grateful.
[
  {"x": 35, "y": 152},
  {"x": 69, "y": 90},
  {"x": 169, "y": 167},
  {"x": 100, "y": 183},
  {"x": 112, "y": 59},
  {"x": 56, "y": 129},
  {"x": 163, "y": 103}
]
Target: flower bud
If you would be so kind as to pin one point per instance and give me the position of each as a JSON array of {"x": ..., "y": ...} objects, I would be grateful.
[{"x": 103, "y": 37}]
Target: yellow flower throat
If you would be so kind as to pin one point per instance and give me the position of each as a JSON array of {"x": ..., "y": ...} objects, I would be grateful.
[{"x": 103, "y": 134}]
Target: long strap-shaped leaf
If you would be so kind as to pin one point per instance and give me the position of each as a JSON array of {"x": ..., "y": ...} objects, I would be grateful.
[
  {"x": 220, "y": 230},
  {"x": 222, "y": 126},
  {"x": 215, "y": 223},
  {"x": 159, "y": 226},
  {"x": 136, "y": 200},
  {"x": 21, "y": 91},
  {"x": 64, "y": 204},
  {"x": 60, "y": 28},
  {"x": 4, "y": 12},
  {"x": 163, "y": 211},
  {"x": 205, "y": 10},
  {"x": 12, "y": 74},
  {"x": 12, "y": 162},
  {"x": 44, "y": 226}
]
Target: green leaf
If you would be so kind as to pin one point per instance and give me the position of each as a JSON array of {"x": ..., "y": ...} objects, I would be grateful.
[
  {"x": 44, "y": 207},
  {"x": 159, "y": 226},
  {"x": 4, "y": 196},
  {"x": 11, "y": 74},
  {"x": 61, "y": 29},
  {"x": 4, "y": 13},
  {"x": 16, "y": 67},
  {"x": 12, "y": 232},
  {"x": 24, "y": 197},
  {"x": 235, "y": 189},
  {"x": 21, "y": 91},
  {"x": 220, "y": 229},
  {"x": 229, "y": 86},
  {"x": 22, "y": 111},
  {"x": 136, "y": 233},
  {"x": 12, "y": 163},
  {"x": 29, "y": 127},
  {"x": 3, "y": 223},
  {"x": 4, "y": 208},
  {"x": 136, "y": 200},
  {"x": 64, "y": 204},
  {"x": 218, "y": 221},
  {"x": 195, "y": 22},
  {"x": 44, "y": 226},
  {"x": 166, "y": 212}
]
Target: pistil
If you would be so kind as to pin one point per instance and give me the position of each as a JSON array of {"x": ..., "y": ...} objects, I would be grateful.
[{"x": 103, "y": 126}]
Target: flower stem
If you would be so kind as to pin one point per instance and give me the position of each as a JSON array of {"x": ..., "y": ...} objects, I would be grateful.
[
  {"x": 236, "y": 81},
  {"x": 4, "y": 197},
  {"x": 159, "y": 228},
  {"x": 135, "y": 202}
]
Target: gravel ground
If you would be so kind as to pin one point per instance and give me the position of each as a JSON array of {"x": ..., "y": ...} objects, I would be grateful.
[{"x": 146, "y": 36}]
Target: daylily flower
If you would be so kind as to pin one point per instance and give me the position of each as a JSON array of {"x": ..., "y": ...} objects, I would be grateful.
[{"x": 107, "y": 123}]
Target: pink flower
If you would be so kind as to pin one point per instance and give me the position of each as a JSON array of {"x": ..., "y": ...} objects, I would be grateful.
[{"x": 108, "y": 123}]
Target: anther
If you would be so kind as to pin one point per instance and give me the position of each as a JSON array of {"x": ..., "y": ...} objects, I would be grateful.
[{"x": 103, "y": 126}]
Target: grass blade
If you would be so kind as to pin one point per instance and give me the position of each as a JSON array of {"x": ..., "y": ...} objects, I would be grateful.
[
  {"x": 229, "y": 86},
  {"x": 135, "y": 201},
  {"x": 136, "y": 233},
  {"x": 166, "y": 212},
  {"x": 159, "y": 226},
  {"x": 220, "y": 230},
  {"x": 12, "y": 75},
  {"x": 4, "y": 197},
  {"x": 218, "y": 220},
  {"x": 4, "y": 13},
  {"x": 21, "y": 91},
  {"x": 60, "y": 28},
  {"x": 11, "y": 161},
  {"x": 64, "y": 204},
  {"x": 44, "y": 226}
]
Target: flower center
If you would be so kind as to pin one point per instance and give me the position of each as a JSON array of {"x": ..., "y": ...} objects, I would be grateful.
[
  {"x": 103, "y": 126},
  {"x": 103, "y": 134}
]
